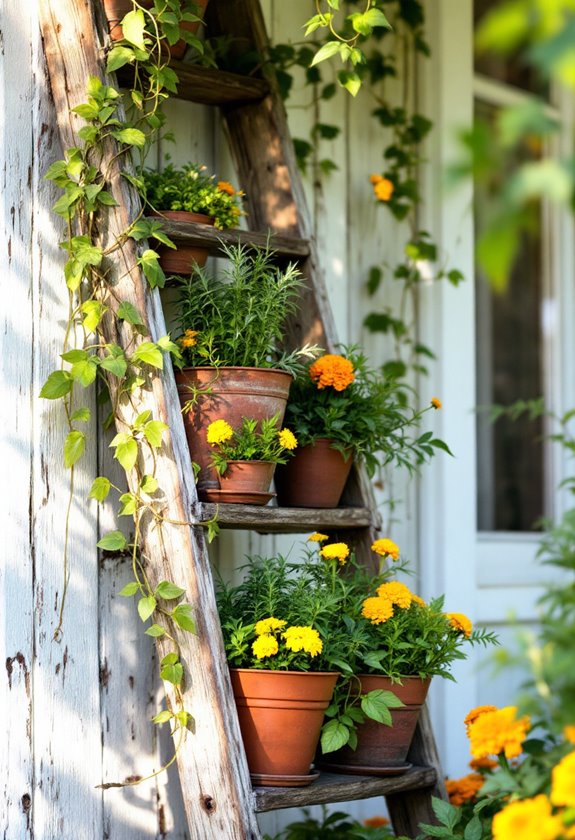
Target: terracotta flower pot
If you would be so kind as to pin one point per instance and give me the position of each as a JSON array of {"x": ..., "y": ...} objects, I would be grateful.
[
  {"x": 117, "y": 9},
  {"x": 185, "y": 258},
  {"x": 315, "y": 477},
  {"x": 230, "y": 394},
  {"x": 281, "y": 715},
  {"x": 382, "y": 750}
]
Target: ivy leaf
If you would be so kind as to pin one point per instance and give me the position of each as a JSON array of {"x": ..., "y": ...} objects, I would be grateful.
[
  {"x": 133, "y": 28},
  {"x": 168, "y": 590},
  {"x": 93, "y": 312},
  {"x": 130, "y": 137},
  {"x": 155, "y": 631},
  {"x": 153, "y": 272},
  {"x": 58, "y": 384},
  {"x": 325, "y": 52},
  {"x": 130, "y": 589},
  {"x": 373, "y": 705},
  {"x": 142, "y": 419},
  {"x": 162, "y": 717},
  {"x": 128, "y": 312},
  {"x": 126, "y": 451},
  {"x": 149, "y": 484},
  {"x": 172, "y": 673},
  {"x": 115, "y": 362},
  {"x": 350, "y": 81},
  {"x": 333, "y": 736},
  {"x": 129, "y": 504},
  {"x": 74, "y": 447},
  {"x": 183, "y": 616},
  {"x": 85, "y": 371},
  {"x": 118, "y": 57},
  {"x": 100, "y": 488},
  {"x": 146, "y": 607},
  {"x": 153, "y": 432},
  {"x": 82, "y": 415},
  {"x": 150, "y": 354},
  {"x": 113, "y": 541},
  {"x": 73, "y": 356}
]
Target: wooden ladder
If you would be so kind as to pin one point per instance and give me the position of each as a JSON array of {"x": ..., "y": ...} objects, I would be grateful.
[{"x": 219, "y": 800}]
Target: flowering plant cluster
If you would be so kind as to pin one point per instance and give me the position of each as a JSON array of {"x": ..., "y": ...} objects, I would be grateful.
[
  {"x": 365, "y": 414},
  {"x": 335, "y": 826},
  {"x": 248, "y": 443},
  {"x": 191, "y": 189}
]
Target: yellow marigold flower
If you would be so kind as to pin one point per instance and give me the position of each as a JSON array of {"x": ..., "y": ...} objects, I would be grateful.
[
  {"x": 375, "y": 179},
  {"x": 219, "y": 431},
  {"x": 189, "y": 338},
  {"x": 563, "y": 782},
  {"x": 436, "y": 402},
  {"x": 396, "y": 593},
  {"x": 335, "y": 551},
  {"x": 386, "y": 548},
  {"x": 226, "y": 187},
  {"x": 475, "y": 713},
  {"x": 460, "y": 623},
  {"x": 497, "y": 732},
  {"x": 317, "y": 537},
  {"x": 265, "y": 646},
  {"x": 375, "y": 822},
  {"x": 377, "y": 610},
  {"x": 528, "y": 819},
  {"x": 287, "y": 439},
  {"x": 483, "y": 763},
  {"x": 569, "y": 734},
  {"x": 332, "y": 371},
  {"x": 269, "y": 625},
  {"x": 303, "y": 638},
  {"x": 417, "y": 600},
  {"x": 383, "y": 189},
  {"x": 464, "y": 789}
]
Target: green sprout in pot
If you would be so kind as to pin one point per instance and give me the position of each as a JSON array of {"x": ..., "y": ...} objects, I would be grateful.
[
  {"x": 250, "y": 443},
  {"x": 194, "y": 191}
]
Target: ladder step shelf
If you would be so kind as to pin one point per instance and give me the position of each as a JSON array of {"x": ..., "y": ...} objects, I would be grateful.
[{"x": 278, "y": 520}]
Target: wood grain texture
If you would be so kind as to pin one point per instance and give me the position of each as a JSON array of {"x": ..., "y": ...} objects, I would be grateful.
[
  {"x": 213, "y": 771},
  {"x": 276, "y": 520}
]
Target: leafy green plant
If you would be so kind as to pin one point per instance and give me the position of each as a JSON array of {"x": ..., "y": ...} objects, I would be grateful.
[
  {"x": 335, "y": 826},
  {"x": 191, "y": 189},
  {"x": 248, "y": 443}
]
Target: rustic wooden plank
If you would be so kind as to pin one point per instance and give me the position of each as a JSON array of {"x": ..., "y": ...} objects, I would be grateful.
[
  {"x": 213, "y": 769},
  {"x": 290, "y": 247},
  {"x": 208, "y": 86},
  {"x": 277, "y": 520},
  {"x": 335, "y": 787}
]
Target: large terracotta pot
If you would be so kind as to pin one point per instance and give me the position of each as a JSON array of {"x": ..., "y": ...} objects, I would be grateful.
[
  {"x": 244, "y": 482},
  {"x": 281, "y": 715},
  {"x": 315, "y": 477},
  {"x": 382, "y": 750},
  {"x": 117, "y": 9},
  {"x": 185, "y": 258},
  {"x": 226, "y": 393}
]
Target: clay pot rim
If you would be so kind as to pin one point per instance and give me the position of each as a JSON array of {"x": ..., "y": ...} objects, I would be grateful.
[
  {"x": 209, "y": 220},
  {"x": 234, "y": 367},
  {"x": 287, "y": 673},
  {"x": 396, "y": 682}
]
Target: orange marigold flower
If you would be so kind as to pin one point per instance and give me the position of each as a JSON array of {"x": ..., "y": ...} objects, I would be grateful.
[
  {"x": 375, "y": 822},
  {"x": 528, "y": 819},
  {"x": 460, "y": 623},
  {"x": 332, "y": 371},
  {"x": 396, "y": 593},
  {"x": 464, "y": 789},
  {"x": 386, "y": 548},
  {"x": 497, "y": 732},
  {"x": 474, "y": 714},
  {"x": 563, "y": 782},
  {"x": 483, "y": 763},
  {"x": 188, "y": 339},
  {"x": 226, "y": 187},
  {"x": 569, "y": 733},
  {"x": 383, "y": 189},
  {"x": 377, "y": 610},
  {"x": 436, "y": 402}
]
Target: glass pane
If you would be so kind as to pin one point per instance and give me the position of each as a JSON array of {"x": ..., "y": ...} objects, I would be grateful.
[
  {"x": 510, "y": 70},
  {"x": 509, "y": 363}
]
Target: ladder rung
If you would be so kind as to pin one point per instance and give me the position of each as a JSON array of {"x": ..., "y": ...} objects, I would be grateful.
[
  {"x": 278, "y": 520},
  {"x": 332, "y": 787}
]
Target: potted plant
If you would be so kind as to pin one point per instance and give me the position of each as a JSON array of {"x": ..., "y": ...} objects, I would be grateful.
[
  {"x": 180, "y": 20},
  {"x": 189, "y": 194},
  {"x": 245, "y": 459},
  {"x": 231, "y": 327},
  {"x": 342, "y": 411}
]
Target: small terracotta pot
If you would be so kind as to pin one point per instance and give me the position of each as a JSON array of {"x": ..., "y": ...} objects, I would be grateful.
[
  {"x": 382, "y": 748},
  {"x": 248, "y": 476},
  {"x": 230, "y": 394},
  {"x": 281, "y": 715},
  {"x": 315, "y": 477},
  {"x": 185, "y": 258},
  {"x": 117, "y": 9}
]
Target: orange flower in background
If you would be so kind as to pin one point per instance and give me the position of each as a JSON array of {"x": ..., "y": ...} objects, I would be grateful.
[
  {"x": 474, "y": 714},
  {"x": 528, "y": 819},
  {"x": 226, "y": 187},
  {"x": 189, "y": 338},
  {"x": 386, "y": 548},
  {"x": 436, "y": 403},
  {"x": 483, "y": 763},
  {"x": 377, "y": 610},
  {"x": 464, "y": 789},
  {"x": 563, "y": 782},
  {"x": 460, "y": 623},
  {"x": 375, "y": 179},
  {"x": 375, "y": 822},
  {"x": 383, "y": 189},
  {"x": 396, "y": 592},
  {"x": 569, "y": 734},
  {"x": 332, "y": 371},
  {"x": 498, "y": 731}
]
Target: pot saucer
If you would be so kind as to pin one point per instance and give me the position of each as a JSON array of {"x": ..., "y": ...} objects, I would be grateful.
[
  {"x": 358, "y": 770},
  {"x": 268, "y": 780},
  {"x": 243, "y": 497}
]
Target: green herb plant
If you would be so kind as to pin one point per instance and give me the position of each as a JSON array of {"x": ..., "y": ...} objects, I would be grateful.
[
  {"x": 250, "y": 443},
  {"x": 334, "y": 826}
]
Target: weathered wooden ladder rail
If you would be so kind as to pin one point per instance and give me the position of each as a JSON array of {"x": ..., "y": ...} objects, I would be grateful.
[{"x": 216, "y": 787}]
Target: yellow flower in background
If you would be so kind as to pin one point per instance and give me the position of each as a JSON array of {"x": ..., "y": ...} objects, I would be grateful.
[
  {"x": 569, "y": 734},
  {"x": 335, "y": 551},
  {"x": 303, "y": 638},
  {"x": 386, "y": 548},
  {"x": 475, "y": 713},
  {"x": 528, "y": 819},
  {"x": 436, "y": 403},
  {"x": 332, "y": 371},
  {"x": 460, "y": 623},
  {"x": 498, "y": 731},
  {"x": 219, "y": 431},
  {"x": 226, "y": 187},
  {"x": 563, "y": 782},
  {"x": 417, "y": 600},
  {"x": 396, "y": 593},
  {"x": 375, "y": 179},
  {"x": 377, "y": 610},
  {"x": 317, "y": 537},
  {"x": 383, "y": 189},
  {"x": 265, "y": 646},
  {"x": 287, "y": 439},
  {"x": 189, "y": 338},
  {"x": 269, "y": 625}
]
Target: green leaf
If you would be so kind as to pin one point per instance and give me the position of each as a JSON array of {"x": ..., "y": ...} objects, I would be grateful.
[
  {"x": 183, "y": 616},
  {"x": 149, "y": 484},
  {"x": 100, "y": 488},
  {"x": 82, "y": 415},
  {"x": 58, "y": 384},
  {"x": 130, "y": 589},
  {"x": 146, "y": 607},
  {"x": 113, "y": 541},
  {"x": 73, "y": 356},
  {"x": 350, "y": 81},
  {"x": 130, "y": 137},
  {"x": 154, "y": 431},
  {"x": 128, "y": 312},
  {"x": 325, "y": 52},
  {"x": 374, "y": 706},
  {"x": 156, "y": 631},
  {"x": 374, "y": 279},
  {"x": 168, "y": 590},
  {"x": 118, "y": 57},
  {"x": 333, "y": 736},
  {"x": 93, "y": 311},
  {"x": 447, "y": 814},
  {"x": 150, "y": 354},
  {"x": 85, "y": 371},
  {"x": 375, "y": 17},
  {"x": 74, "y": 447},
  {"x": 129, "y": 504},
  {"x": 152, "y": 270},
  {"x": 126, "y": 452},
  {"x": 172, "y": 673},
  {"x": 473, "y": 829},
  {"x": 115, "y": 362},
  {"x": 142, "y": 419},
  {"x": 162, "y": 717},
  {"x": 133, "y": 28}
]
